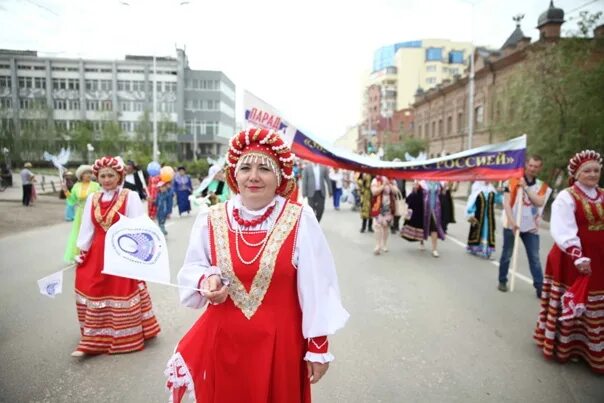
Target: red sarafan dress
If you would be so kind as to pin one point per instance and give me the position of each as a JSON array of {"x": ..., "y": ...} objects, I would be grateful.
[
  {"x": 115, "y": 313},
  {"x": 234, "y": 359},
  {"x": 581, "y": 335}
]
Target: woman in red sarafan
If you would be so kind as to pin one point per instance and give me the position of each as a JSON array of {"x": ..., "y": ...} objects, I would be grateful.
[
  {"x": 115, "y": 313},
  {"x": 570, "y": 324},
  {"x": 263, "y": 264}
]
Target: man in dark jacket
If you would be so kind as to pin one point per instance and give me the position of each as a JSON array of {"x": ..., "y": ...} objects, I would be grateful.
[{"x": 135, "y": 179}]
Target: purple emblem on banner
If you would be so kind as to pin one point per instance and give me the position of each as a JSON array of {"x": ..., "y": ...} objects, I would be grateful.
[{"x": 139, "y": 245}]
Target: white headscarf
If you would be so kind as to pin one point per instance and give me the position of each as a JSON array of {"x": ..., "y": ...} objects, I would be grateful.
[{"x": 477, "y": 188}]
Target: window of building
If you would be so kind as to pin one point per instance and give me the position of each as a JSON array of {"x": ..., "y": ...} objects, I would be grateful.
[
  {"x": 92, "y": 105},
  {"x": 73, "y": 84},
  {"x": 59, "y": 83},
  {"x": 433, "y": 129},
  {"x": 91, "y": 70},
  {"x": 26, "y": 103},
  {"x": 449, "y": 124},
  {"x": 431, "y": 68},
  {"x": 61, "y": 125},
  {"x": 97, "y": 125},
  {"x": 105, "y": 85},
  {"x": 459, "y": 122},
  {"x": 426, "y": 133},
  {"x": 92, "y": 85},
  {"x": 57, "y": 68},
  {"x": 105, "y": 70},
  {"x": 25, "y": 82},
  {"x": 39, "y": 68},
  {"x": 434, "y": 54},
  {"x": 6, "y": 103},
  {"x": 60, "y": 104},
  {"x": 5, "y": 82},
  {"x": 440, "y": 127},
  {"x": 431, "y": 80},
  {"x": 456, "y": 57},
  {"x": 24, "y": 67},
  {"x": 125, "y": 126},
  {"x": 74, "y": 104},
  {"x": 123, "y": 85},
  {"x": 40, "y": 83},
  {"x": 138, "y": 85},
  {"x": 107, "y": 106},
  {"x": 139, "y": 106},
  {"x": 479, "y": 115},
  {"x": 125, "y": 106}
]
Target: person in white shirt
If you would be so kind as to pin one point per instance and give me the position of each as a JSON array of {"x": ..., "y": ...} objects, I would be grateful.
[
  {"x": 336, "y": 176},
  {"x": 264, "y": 266}
]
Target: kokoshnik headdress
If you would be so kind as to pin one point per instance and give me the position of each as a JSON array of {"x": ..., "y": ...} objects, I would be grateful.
[
  {"x": 264, "y": 146},
  {"x": 114, "y": 163},
  {"x": 579, "y": 160}
]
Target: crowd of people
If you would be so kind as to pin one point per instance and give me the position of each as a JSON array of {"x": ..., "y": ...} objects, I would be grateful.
[{"x": 259, "y": 264}]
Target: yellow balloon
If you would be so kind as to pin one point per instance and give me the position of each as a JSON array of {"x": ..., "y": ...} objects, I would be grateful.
[{"x": 166, "y": 174}]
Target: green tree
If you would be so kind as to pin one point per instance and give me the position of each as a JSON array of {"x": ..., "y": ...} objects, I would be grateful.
[
  {"x": 112, "y": 139},
  {"x": 81, "y": 136},
  {"x": 557, "y": 98},
  {"x": 144, "y": 131},
  {"x": 411, "y": 145}
]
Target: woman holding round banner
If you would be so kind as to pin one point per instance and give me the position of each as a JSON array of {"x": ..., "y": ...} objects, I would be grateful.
[
  {"x": 264, "y": 265},
  {"x": 115, "y": 313},
  {"x": 569, "y": 325}
]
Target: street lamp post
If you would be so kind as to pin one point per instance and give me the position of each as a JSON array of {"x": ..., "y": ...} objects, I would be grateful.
[
  {"x": 471, "y": 81},
  {"x": 155, "y": 156},
  {"x": 155, "y": 150}
]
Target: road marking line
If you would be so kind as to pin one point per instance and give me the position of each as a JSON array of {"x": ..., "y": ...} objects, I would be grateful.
[{"x": 493, "y": 262}]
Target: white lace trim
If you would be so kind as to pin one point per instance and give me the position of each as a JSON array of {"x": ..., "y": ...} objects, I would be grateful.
[
  {"x": 178, "y": 376},
  {"x": 571, "y": 310},
  {"x": 316, "y": 357}
]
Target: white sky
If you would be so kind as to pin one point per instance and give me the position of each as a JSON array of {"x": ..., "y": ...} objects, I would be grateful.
[{"x": 306, "y": 58}]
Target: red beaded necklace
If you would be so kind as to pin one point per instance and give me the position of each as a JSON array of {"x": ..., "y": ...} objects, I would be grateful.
[{"x": 254, "y": 222}]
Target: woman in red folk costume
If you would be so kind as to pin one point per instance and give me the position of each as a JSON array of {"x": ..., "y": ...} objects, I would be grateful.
[
  {"x": 264, "y": 265},
  {"x": 570, "y": 324},
  {"x": 115, "y": 313}
]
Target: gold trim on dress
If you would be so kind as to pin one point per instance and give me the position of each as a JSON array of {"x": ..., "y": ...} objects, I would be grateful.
[
  {"x": 108, "y": 220},
  {"x": 249, "y": 303},
  {"x": 594, "y": 224}
]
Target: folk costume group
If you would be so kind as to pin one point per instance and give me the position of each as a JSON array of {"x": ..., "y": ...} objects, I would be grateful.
[
  {"x": 261, "y": 267},
  {"x": 258, "y": 263}
]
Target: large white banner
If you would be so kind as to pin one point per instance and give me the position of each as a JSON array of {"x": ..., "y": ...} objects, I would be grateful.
[
  {"x": 136, "y": 248},
  {"x": 262, "y": 115}
]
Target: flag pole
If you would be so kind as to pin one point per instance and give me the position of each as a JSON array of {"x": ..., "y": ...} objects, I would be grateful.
[{"x": 516, "y": 239}]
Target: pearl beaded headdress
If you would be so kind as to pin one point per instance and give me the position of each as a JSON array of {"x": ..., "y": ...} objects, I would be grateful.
[
  {"x": 261, "y": 146},
  {"x": 581, "y": 158}
]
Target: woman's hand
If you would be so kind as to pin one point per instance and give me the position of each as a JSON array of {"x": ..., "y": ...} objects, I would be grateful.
[
  {"x": 213, "y": 289},
  {"x": 316, "y": 370},
  {"x": 584, "y": 268}
]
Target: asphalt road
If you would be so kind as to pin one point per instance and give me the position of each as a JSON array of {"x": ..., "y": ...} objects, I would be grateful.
[{"x": 422, "y": 329}]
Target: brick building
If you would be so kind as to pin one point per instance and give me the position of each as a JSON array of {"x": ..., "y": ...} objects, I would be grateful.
[{"x": 441, "y": 113}]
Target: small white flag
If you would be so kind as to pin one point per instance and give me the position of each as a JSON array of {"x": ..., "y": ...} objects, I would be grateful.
[
  {"x": 51, "y": 285},
  {"x": 136, "y": 248}
]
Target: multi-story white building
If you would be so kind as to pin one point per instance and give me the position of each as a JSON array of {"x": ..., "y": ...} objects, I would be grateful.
[{"x": 55, "y": 95}]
